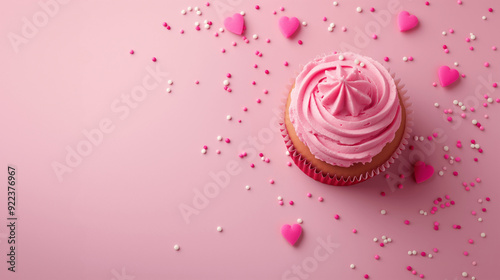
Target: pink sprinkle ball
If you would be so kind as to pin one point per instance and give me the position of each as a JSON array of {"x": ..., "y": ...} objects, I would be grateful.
[
  {"x": 154, "y": 59},
  {"x": 223, "y": 50},
  {"x": 257, "y": 7},
  {"x": 490, "y": 10},
  {"x": 486, "y": 64},
  {"x": 308, "y": 194},
  {"x": 324, "y": 18},
  {"x": 471, "y": 241},
  {"x": 300, "y": 42},
  {"x": 272, "y": 182},
  {"x": 291, "y": 202},
  {"x": 423, "y": 254},
  {"x": 466, "y": 253},
  {"x": 258, "y": 100},
  {"x": 289, "y": 163},
  {"x": 280, "y": 202},
  {"x": 197, "y": 82},
  {"x": 382, "y": 244},
  {"x": 266, "y": 71},
  {"x": 320, "y": 199},
  {"x": 252, "y": 165},
  {"x": 227, "y": 140},
  {"x": 245, "y": 109},
  {"x": 354, "y": 231},
  {"x": 414, "y": 272},
  {"x": 427, "y": 3},
  {"x": 336, "y": 216},
  {"x": 165, "y": 24},
  {"x": 131, "y": 51},
  {"x": 407, "y": 222},
  {"x": 410, "y": 58},
  {"x": 408, "y": 268},
  {"x": 282, "y": 9},
  {"x": 386, "y": 58},
  {"x": 377, "y": 257},
  {"x": 434, "y": 84},
  {"x": 451, "y": 30},
  {"x": 374, "y": 36},
  {"x": 446, "y": 51},
  {"x": 372, "y": 9},
  {"x": 421, "y": 276},
  {"x": 367, "y": 276}
]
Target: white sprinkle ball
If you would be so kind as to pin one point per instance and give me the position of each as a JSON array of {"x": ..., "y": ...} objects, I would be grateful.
[
  {"x": 299, "y": 220},
  {"x": 219, "y": 229},
  {"x": 247, "y": 187},
  {"x": 359, "y": 9},
  {"x": 176, "y": 247},
  {"x": 353, "y": 266},
  {"x": 203, "y": 151}
]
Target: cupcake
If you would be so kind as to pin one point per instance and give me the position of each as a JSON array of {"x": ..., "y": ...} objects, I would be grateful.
[{"x": 345, "y": 119}]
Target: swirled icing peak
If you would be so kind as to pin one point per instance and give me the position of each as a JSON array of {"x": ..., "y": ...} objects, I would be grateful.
[
  {"x": 345, "y": 108},
  {"x": 344, "y": 91}
]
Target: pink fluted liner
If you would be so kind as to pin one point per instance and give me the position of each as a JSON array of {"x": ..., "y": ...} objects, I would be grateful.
[{"x": 332, "y": 179}]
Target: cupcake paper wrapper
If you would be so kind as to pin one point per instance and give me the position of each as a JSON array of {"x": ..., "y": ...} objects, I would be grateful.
[{"x": 332, "y": 179}]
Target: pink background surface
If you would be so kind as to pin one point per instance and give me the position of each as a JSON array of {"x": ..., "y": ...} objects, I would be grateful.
[{"x": 116, "y": 215}]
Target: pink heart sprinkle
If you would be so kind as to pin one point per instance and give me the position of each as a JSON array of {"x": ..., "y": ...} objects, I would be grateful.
[
  {"x": 422, "y": 171},
  {"x": 447, "y": 76},
  {"x": 406, "y": 21},
  {"x": 291, "y": 233},
  {"x": 288, "y": 26},
  {"x": 235, "y": 24}
]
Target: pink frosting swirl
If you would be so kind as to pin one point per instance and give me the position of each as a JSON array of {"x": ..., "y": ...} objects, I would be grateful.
[{"x": 345, "y": 108}]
